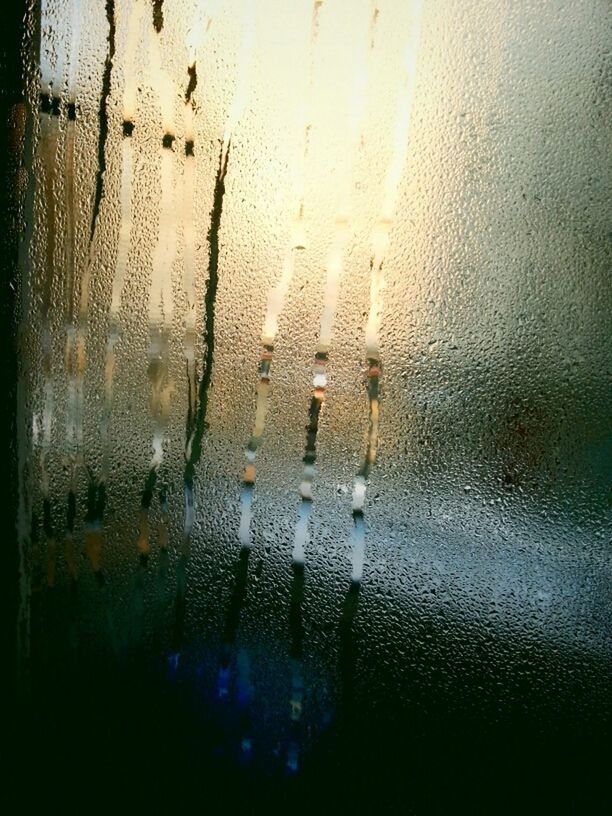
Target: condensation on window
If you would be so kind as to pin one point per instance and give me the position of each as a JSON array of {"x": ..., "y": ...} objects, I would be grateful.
[{"x": 315, "y": 363}]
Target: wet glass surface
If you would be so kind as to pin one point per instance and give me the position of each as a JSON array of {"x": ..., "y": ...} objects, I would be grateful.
[{"x": 313, "y": 426}]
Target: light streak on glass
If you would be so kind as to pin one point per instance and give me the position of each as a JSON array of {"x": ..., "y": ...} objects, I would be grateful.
[
  {"x": 160, "y": 311},
  {"x": 125, "y": 228},
  {"x": 380, "y": 245},
  {"x": 277, "y": 297}
]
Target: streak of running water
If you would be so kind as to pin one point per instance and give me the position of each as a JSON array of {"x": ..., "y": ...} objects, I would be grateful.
[
  {"x": 83, "y": 311},
  {"x": 75, "y": 353},
  {"x": 195, "y": 433},
  {"x": 69, "y": 235},
  {"x": 96, "y": 499},
  {"x": 243, "y": 81},
  {"x": 200, "y": 25},
  {"x": 189, "y": 265},
  {"x": 196, "y": 427},
  {"x": 48, "y": 149},
  {"x": 380, "y": 245},
  {"x": 276, "y": 301},
  {"x": 334, "y": 268},
  {"x": 125, "y": 229},
  {"x": 49, "y": 155},
  {"x": 69, "y": 277},
  {"x": 160, "y": 294}
]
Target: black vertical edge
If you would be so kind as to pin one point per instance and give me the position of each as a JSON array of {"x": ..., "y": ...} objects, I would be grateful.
[
  {"x": 158, "y": 14},
  {"x": 209, "y": 317},
  {"x": 103, "y": 116},
  {"x": 19, "y": 47}
]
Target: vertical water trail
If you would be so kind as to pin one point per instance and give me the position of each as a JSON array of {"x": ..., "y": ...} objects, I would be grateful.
[
  {"x": 69, "y": 273},
  {"x": 97, "y": 489},
  {"x": 198, "y": 409},
  {"x": 189, "y": 237},
  {"x": 52, "y": 61},
  {"x": 200, "y": 26},
  {"x": 103, "y": 117},
  {"x": 189, "y": 279},
  {"x": 160, "y": 294},
  {"x": 276, "y": 301},
  {"x": 83, "y": 312},
  {"x": 189, "y": 267},
  {"x": 76, "y": 359},
  {"x": 333, "y": 274},
  {"x": 48, "y": 148},
  {"x": 380, "y": 245},
  {"x": 243, "y": 80},
  {"x": 194, "y": 445},
  {"x": 160, "y": 315},
  {"x": 125, "y": 228},
  {"x": 334, "y": 269}
]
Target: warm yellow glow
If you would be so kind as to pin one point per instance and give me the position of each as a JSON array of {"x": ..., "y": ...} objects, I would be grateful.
[
  {"x": 134, "y": 30},
  {"x": 342, "y": 221},
  {"x": 75, "y": 24},
  {"x": 380, "y": 233},
  {"x": 297, "y": 237},
  {"x": 313, "y": 116},
  {"x": 161, "y": 82},
  {"x": 243, "y": 80},
  {"x": 203, "y": 15}
]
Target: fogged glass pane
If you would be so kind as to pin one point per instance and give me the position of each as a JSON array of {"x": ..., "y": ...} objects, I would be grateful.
[{"x": 315, "y": 378}]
